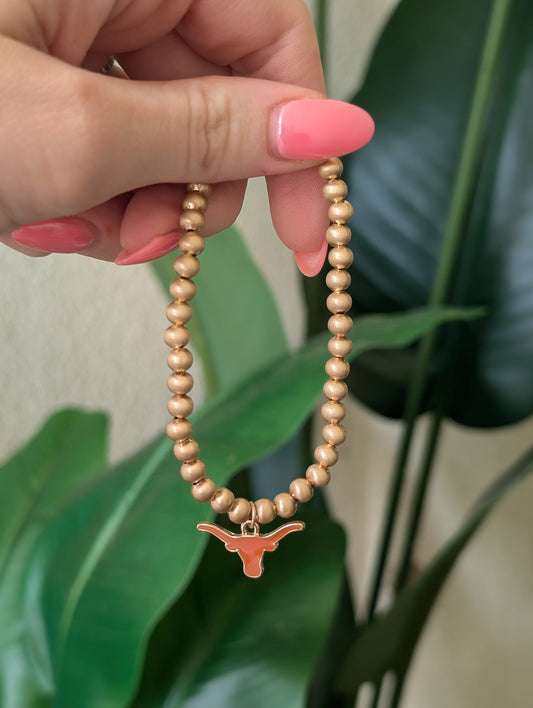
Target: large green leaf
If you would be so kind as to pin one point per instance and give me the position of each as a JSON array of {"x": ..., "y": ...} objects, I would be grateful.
[
  {"x": 387, "y": 643},
  {"x": 36, "y": 486},
  {"x": 419, "y": 90},
  {"x": 116, "y": 550},
  {"x": 236, "y": 325},
  {"x": 239, "y": 643}
]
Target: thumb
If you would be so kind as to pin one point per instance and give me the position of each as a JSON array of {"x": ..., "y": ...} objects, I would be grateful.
[
  {"x": 218, "y": 129},
  {"x": 75, "y": 139}
]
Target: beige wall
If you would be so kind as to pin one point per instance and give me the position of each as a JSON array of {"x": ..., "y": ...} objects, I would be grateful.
[{"x": 85, "y": 333}]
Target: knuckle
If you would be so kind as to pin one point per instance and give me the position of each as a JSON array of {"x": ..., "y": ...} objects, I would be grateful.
[
  {"x": 212, "y": 130},
  {"x": 75, "y": 171},
  {"x": 8, "y": 221},
  {"x": 55, "y": 167}
]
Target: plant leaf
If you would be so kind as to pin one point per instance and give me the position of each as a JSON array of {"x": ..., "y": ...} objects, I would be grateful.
[
  {"x": 36, "y": 485},
  {"x": 222, "y": 313},
  {"x": 418, "y": 89},
  {"x": 113, "y": 557},
  {"x": 238, "y": 642},
  {"x": 388, "y": 642}
]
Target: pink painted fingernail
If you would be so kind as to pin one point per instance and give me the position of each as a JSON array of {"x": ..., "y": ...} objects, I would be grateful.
[
  {"x": 69, "y": 235},
  {"x": 310, "y": 263},
  {"x": 316, "y": 128},
  {"x": 157, "y": 247}
]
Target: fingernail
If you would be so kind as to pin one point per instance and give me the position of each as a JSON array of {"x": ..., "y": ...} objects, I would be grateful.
[
  {"x": 69, "y": 235},
  {"x": 157, "y": 247},
  {"x": 310, "y": 263},
  {"x": 315, "y": 128}
]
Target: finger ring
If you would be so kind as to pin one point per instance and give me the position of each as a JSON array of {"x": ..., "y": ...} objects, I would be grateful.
[{"x": 113, "y": 68}]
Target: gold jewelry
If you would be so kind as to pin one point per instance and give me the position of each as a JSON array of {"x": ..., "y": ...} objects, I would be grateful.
[{"x": 250, "y": 544}]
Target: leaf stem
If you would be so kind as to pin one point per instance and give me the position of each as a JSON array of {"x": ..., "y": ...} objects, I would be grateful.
[
  {"x": 417, "y": 503},
  {"x": 321, "y": 26},
  {"x": 397, "y": 691},
  {"x": 389, "y": 518},
  {"x": 312, "y": 287},
  {"x": 463, "y": 189}
]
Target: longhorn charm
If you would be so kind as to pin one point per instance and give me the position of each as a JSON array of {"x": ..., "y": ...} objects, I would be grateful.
[{"x": 251, "y": 546}]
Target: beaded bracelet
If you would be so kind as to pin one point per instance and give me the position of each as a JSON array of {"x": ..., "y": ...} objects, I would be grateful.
[{"x": 250, "y": 544}]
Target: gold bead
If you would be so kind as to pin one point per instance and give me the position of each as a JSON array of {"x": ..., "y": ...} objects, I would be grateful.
[
  {"x": 179, "y": 312},
  {"x": 239, "y": 510},
  {"x": 330, "y": 168},
  {"x": 265, "y": 510},
  {"x": 177, "y": 336},
  {"x": 180, "y": 406},
  {"x": 334, "y": 434},
  {"x": 182, "y": 289},
  {"x": 338, "y": 302},
  {"x": 340, "y": 324},
  {"x": 186, "y": 450},
  {"x": 192, "y": 243},
  {"x": 332, "y": 411},
  {"x": 340, "y": 212},
  {"x": 222, "y": 500},
  {"x": 340, "y": 257},
  {"x": 335, "y": 390},
  {"x": 338, "y": 235},
  {"x": 334, "y": 189},
  {"x": 195, "y": 201},
  {"x": 318, "y": 475},
  {"x": 326, "y": 455},
  {"x": 187, "y": 265},
  {"x": 338, "y": 279},
  {"x": 193, "y": 471},
  {"x": 179, "y": 359},
  {"x": 191, "y": 220},
  {"x": 301, "y": 489},
  {"x": 285, "y": 505},
  {"x": 179, "y": 429},
  {"x": 339, "y": 346},
  {"x": 336, "y": 368},
  {"x": 204, "y": 189},
  {"x": 204, "y": 490},
  {"x": 180, "y": 383}
]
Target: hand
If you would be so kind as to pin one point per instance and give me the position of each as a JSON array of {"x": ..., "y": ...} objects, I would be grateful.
[{"x": 220, "y": 93}]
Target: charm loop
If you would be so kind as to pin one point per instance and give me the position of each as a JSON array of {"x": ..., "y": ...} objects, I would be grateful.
[{"x": 251, "y": 523}]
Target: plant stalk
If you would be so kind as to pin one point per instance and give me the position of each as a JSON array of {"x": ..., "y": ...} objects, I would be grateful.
[
  {"x": 397, "y": 691},
  {"x": 321, "y": 26},
  {"x": 417, "y": 505},
  {"x": 463, "y": 189},
  {"x": 312, "y": 287}
]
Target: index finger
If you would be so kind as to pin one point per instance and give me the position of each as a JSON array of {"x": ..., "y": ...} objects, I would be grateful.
[{"x": 272, "y": 40}]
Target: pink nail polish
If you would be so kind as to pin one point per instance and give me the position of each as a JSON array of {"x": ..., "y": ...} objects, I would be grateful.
[
  {"x": 157, "y": 247},
  {"x": 69, "y": 235},
  {"x": 310, "y": 263},
  {"x": 314, "y": 129}
]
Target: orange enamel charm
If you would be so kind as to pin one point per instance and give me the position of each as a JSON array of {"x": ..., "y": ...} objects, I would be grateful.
[{"x": 251, "y": 546}]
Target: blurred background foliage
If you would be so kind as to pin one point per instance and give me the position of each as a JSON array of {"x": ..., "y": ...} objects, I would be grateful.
[{"x": 110, "y": 597}]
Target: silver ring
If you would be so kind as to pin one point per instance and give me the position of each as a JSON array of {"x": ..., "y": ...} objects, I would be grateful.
[{"x": 113, "y": 68}]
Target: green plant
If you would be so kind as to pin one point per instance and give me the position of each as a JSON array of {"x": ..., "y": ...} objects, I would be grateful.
[
  {"x": 445, "y": 217},
  {"x": 108, "y": 594}
]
